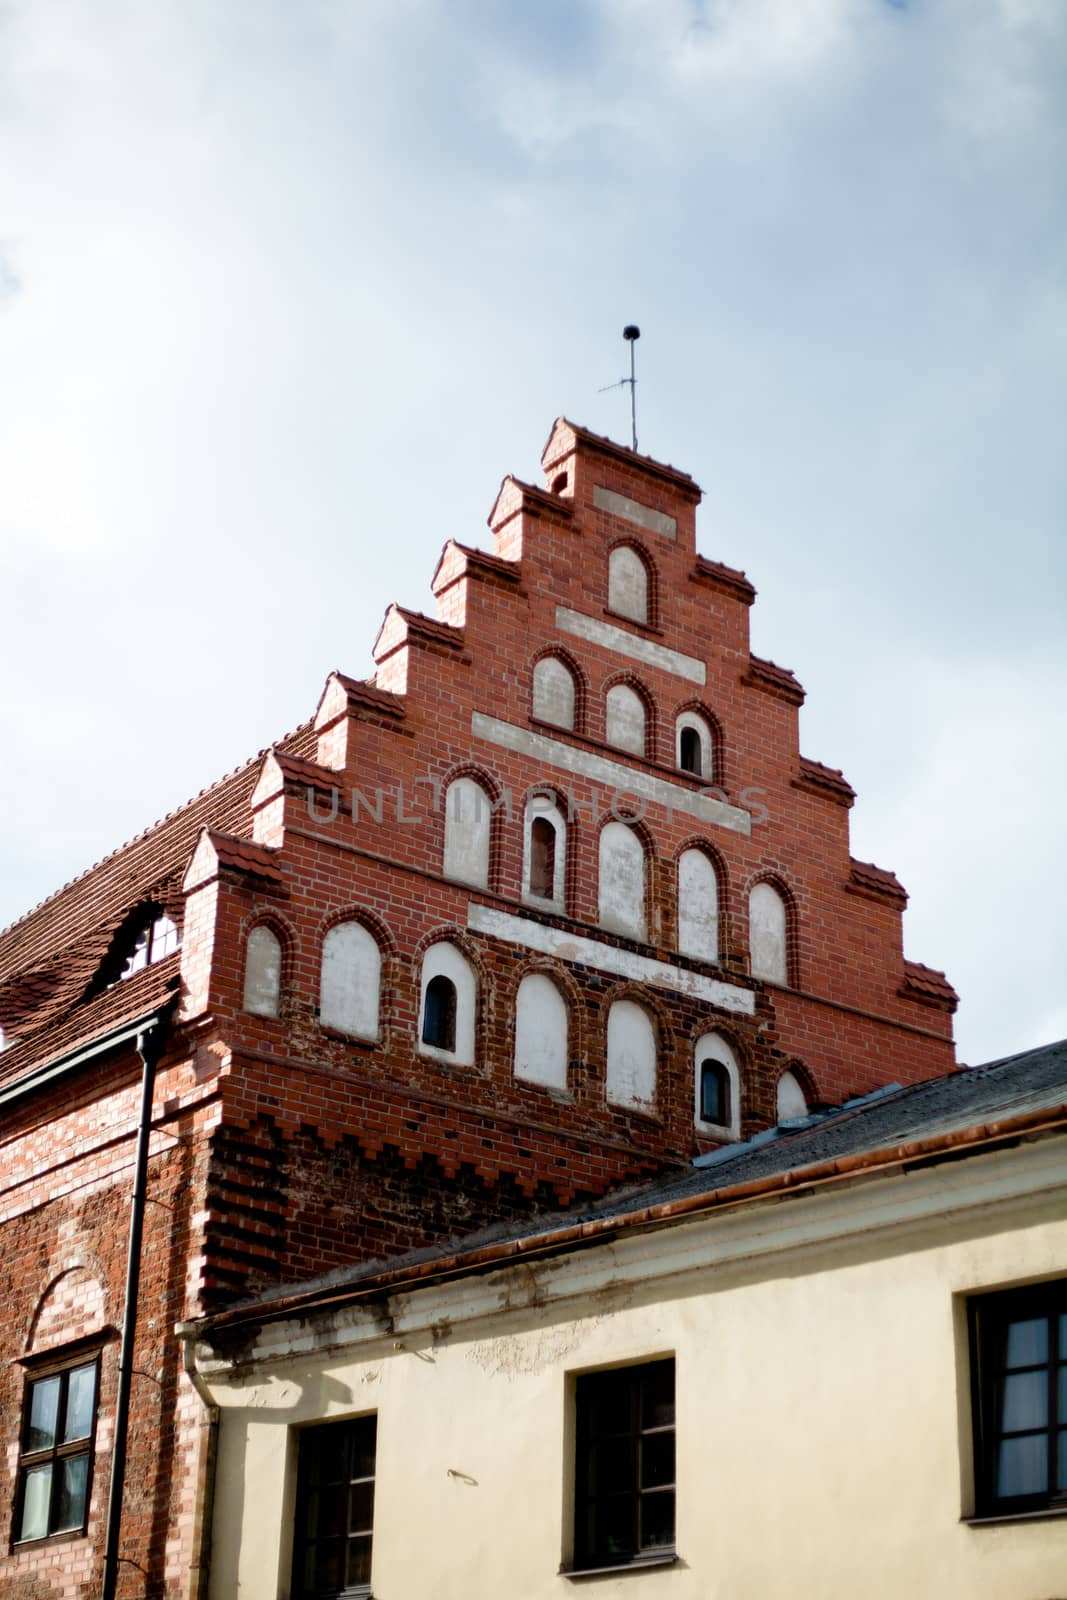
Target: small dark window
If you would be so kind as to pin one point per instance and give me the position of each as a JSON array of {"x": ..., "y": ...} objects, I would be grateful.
[
  {"x": 439, "y": 1014},
  {"x": 624, "y": 1471},
  {"x": 689, "y": 752},
  {"x": 1019, "y": 1379},
  {"x": 56, "y": 1456},
  {"x": 542, "y": 857},
  {"x": 715, "y": 1093},
  {"x": 334, "y": 1510}
]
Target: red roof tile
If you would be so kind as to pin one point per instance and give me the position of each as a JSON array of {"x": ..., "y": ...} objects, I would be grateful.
[
  {"x": 367, "y": 694},
  {"x": 829, "y": 781},
  {"x": 929, "y": 985},
  {"x": 245, "y": 855},
  {"x": 774, "y": 679},
  {"x": 730, "y": 579},
  {"x": 865, "y": 877}
]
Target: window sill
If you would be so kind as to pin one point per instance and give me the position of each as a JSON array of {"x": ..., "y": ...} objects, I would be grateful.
[
  {"x": 997, "y": 1519},
  {"x": 661, "y": 1558}
]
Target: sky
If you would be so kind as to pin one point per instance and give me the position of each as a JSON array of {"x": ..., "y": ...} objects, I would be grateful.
[{"x": 285, "y": 290}]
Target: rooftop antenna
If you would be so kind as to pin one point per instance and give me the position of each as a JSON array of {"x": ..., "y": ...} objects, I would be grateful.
[{"x": 631, "y": 333}]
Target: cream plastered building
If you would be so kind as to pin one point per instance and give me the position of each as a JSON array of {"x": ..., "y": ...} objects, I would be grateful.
[{"x": 818, "y": 1320}]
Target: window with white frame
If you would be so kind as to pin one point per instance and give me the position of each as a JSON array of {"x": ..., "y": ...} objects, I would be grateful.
[
  {"x": 263, "y": 972},
  {"x": 350, "y": 981},
  {"x": 468, "y": 819},
  {"x": 626, "y": 719},
  {"x": 541, "y": 1032},
  {"x": 631, "y": 1056},
  {"x": 544, "y": 862},
  {"x": 698, "y": 906},
  {"x": 56, "y": 1448},
  {"x": 694, "y": 750},
  {"x": 716, "y": 1087},
  {"x": 621, "y": 880},
  {"x": 448, "y": 1005},
  {"x": 554, "y": 692}
]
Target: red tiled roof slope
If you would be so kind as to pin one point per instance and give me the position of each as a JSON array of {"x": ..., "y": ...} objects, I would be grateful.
[{"x": 147, "y": 867}]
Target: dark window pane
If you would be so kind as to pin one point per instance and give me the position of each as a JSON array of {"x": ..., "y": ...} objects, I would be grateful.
[
  {"x": 363, "y": 1442},
  {"x": 1061, "y": 1467},
  {"x": 326, "y": 1567},
  {"x": 607, "y": 1403},
  {"x": 1063, "y": 1394},
  {"x": 689, "y": 750},
  {"x": 1023, "y": 1466},
  {"x": 617, "y": 1526},
  {"x": 714, "y": 1093},
  {"x": 657, "y": 1460},
  {"x": 359, "y": 1560},
  {"x": 361, "y": 1507},
  {"x": 542, "y": 857},
  {"x": 1063, "y": 1336},
  {"x": 1025, "y": 1402},
  {"x": 70, "y": 1502},
  {"x": 611, "y": 1467},
  {"x": 81, "y": 1388},
  {"x": 657, "y": 1520},
  {"x": 330, "y": 1519},
  {"x": 44, "y": 1410},
  {"x": 658, "y": 1395},
  {"x": 36, "y": 1495},
  {"x": 1027, "y": 1343},
  {"x": 439, "y": 1014}
]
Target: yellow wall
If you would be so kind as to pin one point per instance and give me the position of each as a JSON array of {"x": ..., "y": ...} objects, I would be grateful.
[{"x": 823, "y": 1427}]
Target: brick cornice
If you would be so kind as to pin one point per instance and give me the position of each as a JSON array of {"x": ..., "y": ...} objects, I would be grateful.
[
  {"x": 827, "y": 782},
  {"x": 727, "y": 580},
  {"x": 773, "y": 679},
  {"x": 599, "y": 444},
  {"x": 876, "y": 883}
]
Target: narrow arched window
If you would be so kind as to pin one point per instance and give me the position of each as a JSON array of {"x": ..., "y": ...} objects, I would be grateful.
[
  {"x": 544, "y": 865},
  {"x": 621, "y": 888},
  {"x": 468, "y": 815},
  {"x": 792, "y": 1102},
  {"x": 439, "y": 1014},
  {"x": 628, "y": 584},
  {"x": 715, "y": 1093},
  {"x": 350, "y": 985},
  {"x": 694, "y": 746},
  {"x": 542, "y": 857},
  {"x": 448, "y": 1005},
  {"x": 625, "y": 717},
  {"x": 631, "y": 1055},
  {"x": 716, "y": 1085},
  {"x": 768, "y": 934},
  {"x": 554, "y": 692},
  {"x": 541, "y": 1032},
  {"x": 698, "y": 906},
  {"x": 263, "y": 972}
]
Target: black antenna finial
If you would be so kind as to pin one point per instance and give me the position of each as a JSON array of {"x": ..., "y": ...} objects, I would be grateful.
[{"x": 631, "y": 333}]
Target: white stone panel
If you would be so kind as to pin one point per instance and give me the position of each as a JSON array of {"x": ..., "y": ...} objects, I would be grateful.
[
  {"x": 767, "y": 934},
  {"x": 626, "y": 719},
  {"x": 631, "y": 1055},
  {"x": 615, "y": 778},
  {"x": 620, "y": 505},
  {"x": 628, "y": 584},
  {"x": 541, "y": 1032},
  {"x": 621, "y": 882},
  {"x": 467, "y": 822},
  {"x": 792, "y": 1101},
  {"x": 445, "y": 959},
  {"x": 553, "y": 692},
  {"x": 605, "y": 958},
  {"x": 610, "y": 637},
  {"x": 698, "y": 906},
  {"x": 263, "y": 973},
  {"x": 351, "y": 981},
  {"x": 713, "y": 1047}
]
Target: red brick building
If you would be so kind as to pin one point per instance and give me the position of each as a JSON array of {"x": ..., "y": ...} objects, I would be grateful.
[{"x": 552, "y": 903}]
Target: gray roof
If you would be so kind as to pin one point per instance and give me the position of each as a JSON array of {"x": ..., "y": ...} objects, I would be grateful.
[{"x": 971, "y": 1097}]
